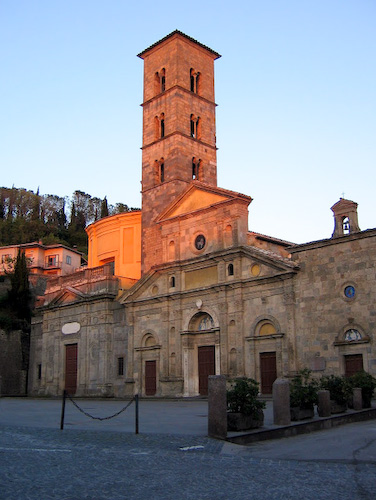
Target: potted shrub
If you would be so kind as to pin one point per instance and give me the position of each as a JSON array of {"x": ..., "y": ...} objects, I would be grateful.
[
  {"x": 244, "y": 410},
  {"x": 303, "y": 395},
  {"x": 367, "y": 383},
  {"x": 340, "y": 390}
]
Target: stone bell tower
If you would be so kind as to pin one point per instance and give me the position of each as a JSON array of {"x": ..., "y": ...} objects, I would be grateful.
[
  {"x": 179, "y": 141},
  {"x": 345, "y": 217}
]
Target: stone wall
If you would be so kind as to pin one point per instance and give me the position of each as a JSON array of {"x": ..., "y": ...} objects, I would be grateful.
[
  {"x": 99, "y": 330},
  {"x": 164, "y": 330},
  {"x": 13, "y": 363},
  {"x": 324, "y": 313}
]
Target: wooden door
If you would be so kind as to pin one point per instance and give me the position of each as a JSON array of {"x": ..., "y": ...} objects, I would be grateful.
[
  {"x": 268, "y": 369},
  {"x": 353, "y": 364},
  {"x": 150, "y": 378},
  {"x": 71, "y": 368},
  {"x": 206, "y": 367}
]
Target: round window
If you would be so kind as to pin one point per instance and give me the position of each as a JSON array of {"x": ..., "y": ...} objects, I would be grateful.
[
  {"x": 349, "y": 292},
  {"x": 200, "y": 242}
]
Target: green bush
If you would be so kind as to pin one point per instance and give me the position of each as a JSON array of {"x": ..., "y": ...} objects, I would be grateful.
[
  {"x": 303, "y": 390},
  {"x": 338, "y": 386},
  {"x": 367, "y": 383},
  {"x": 242, "y": 397}
]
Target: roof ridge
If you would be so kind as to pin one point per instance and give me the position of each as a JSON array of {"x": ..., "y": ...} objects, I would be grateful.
[{"x": 178, "y": 32}]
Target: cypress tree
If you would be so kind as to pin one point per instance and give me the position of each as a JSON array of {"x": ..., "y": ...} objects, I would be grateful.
[
  {"x": 19, "y": 293},
  {"x": 104, "y": 208}
]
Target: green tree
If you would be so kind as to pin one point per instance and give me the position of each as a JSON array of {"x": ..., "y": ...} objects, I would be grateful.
[
  {"x": 19, "y": 293},
  {"x": 104, "y": 208}
]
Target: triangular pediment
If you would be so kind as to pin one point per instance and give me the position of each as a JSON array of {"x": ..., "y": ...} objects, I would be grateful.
[
  {"x": 258, "y": 265},
  {"x": 66, "y": 296},
  {"x": 199, "y": 197}
]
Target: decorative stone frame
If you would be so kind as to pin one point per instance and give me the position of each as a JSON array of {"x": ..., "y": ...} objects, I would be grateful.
[
  {"x": 265, "y": 343},
  {"x": 191, "y": 340},
  {"x": 340, "y": 339},
  {"x": 145, "y": 345},
  {"x": 259, "y": 322},
  {"x": 192, "y": 312},
  {"x": 193, "y": 246},
  {"x": 342, "y": 291}
]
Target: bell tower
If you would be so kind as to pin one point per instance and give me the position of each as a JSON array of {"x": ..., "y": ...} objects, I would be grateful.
[
  {"x": 345, "y": 217},
  {"x": 178, "y": 140}
]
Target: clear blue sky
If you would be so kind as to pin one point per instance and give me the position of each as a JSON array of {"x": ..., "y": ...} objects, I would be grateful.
[{"x": 295, "y": 87}]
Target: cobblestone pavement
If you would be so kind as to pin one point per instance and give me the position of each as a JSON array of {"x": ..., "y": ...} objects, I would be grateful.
[
  {"x": 75, "y": 464},
  {"x": 172, "y": 458}
]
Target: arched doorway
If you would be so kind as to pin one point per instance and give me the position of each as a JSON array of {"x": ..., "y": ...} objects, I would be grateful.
[{"x": 200, "y": 353}]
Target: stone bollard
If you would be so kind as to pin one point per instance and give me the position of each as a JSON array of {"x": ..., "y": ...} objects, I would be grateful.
[
  {"x": 357, "y": 398},
  {"x": 217, "y": 407},
  {"x": 323, "y": 407},
  {"x": 281, "y": 402}
]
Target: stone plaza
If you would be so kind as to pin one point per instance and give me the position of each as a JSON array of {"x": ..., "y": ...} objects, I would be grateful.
[{"x": 171, "y": 457}]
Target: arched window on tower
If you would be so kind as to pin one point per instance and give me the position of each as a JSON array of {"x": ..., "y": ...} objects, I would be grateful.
[
  {"x": 156, "y": 173},
  {"x": 196, "y": 170},
  {"x": 159, "y": 171},
  {"x": 162, "y": 126},
  {"x": 192, "y": 78},
  {"x": 157, "y": 83},
  {"x": 162, "y": 170},
  {"x": 156, "y": 128},
  {"x": 198, "y": 83},
  {"x": 160, "y": 81},
  {"x": 230, "y": 270},
  {"x": 163, "y": 80},
  {"x": 195, "y": 126},
  {"x": 159, "y": 126},
  {"x": 194, "y": 81}
]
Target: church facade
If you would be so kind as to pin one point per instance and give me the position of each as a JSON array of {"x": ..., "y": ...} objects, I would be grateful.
[{"x": 183, "y": 289}]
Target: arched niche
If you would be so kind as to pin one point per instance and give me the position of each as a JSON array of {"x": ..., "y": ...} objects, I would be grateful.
[{"x": 200, "y": 322}]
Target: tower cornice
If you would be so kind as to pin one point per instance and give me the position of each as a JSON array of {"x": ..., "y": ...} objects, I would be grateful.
[
  {"x": 175, "y": 34},
  {"x": 179, "y": 87},
  {"x": 183, "y": 135}
]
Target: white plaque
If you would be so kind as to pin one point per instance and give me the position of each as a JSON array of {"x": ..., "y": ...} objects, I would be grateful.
[{"x": 70, "y": 328}]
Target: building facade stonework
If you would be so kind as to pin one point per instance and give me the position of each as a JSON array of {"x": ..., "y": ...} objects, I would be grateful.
[{"x": 209, "y": 296}]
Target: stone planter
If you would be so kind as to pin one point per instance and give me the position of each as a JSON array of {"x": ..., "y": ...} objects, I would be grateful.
[
  {"x": 337, "y": 408},
  {"x": 297, "y": 413},
  {"x": 241, "y": 422}
]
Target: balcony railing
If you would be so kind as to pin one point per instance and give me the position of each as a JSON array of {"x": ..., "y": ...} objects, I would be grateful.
[{"x": 82, "y": 277}]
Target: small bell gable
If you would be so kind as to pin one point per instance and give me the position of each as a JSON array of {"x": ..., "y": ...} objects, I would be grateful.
[{"x": 345, "y": 217}]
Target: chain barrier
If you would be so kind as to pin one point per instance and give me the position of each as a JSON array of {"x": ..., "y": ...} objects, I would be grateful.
[
  {"x": 99, "y": 418},
  {"x": 66, "y": 395}
]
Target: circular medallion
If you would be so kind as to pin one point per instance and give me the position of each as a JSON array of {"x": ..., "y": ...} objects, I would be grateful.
[
  {"x": 349, "y": 292},
  {"x": 200, "y": 242}
]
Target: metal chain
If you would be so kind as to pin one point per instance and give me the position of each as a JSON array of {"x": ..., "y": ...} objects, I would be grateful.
[{"x": 99, "y": 418}]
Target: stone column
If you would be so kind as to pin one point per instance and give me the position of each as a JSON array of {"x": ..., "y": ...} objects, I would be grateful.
[
  {"x": 281, "y": 402},
  {"x": 217, "y": 407},
  {"x": 187, "y": 369},
  {"x": 357, "y": 398},
  {"x": 323, "y": 407}
]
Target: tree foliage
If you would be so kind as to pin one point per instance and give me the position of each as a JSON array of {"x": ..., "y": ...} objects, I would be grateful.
[
  {"x": 16, "y": 304},
  {"x": 26, "y": 216},
  {"x": 19, "y": 293}
]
